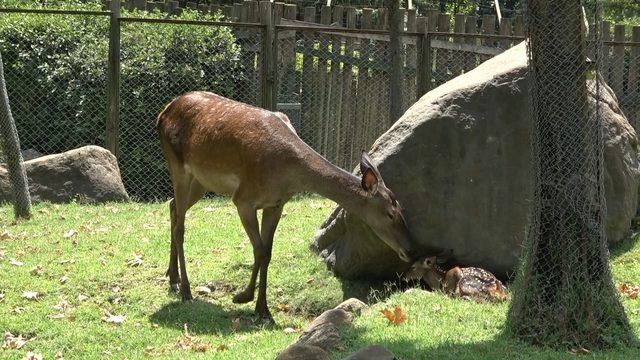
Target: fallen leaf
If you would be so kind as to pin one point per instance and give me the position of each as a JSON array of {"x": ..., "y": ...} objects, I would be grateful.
[
  {"x": 64, "y": 279},
  {"x": 5, "y": 235},
  {"x": 69, "y": 233},
  {"x": 116, "y": 289},
  {"x": 18, "y": 310},
  {"x": 309, "y": 281},
  {"x": 1, "y": 296},
  {"x": 203, "y": 290},
  {"x": 189, "y": 342},
  {"x": 62, "y": 305},
  {"x": 436, "y": 307},
  {"x": 635, "y": 311},
  {"x": 208, "y": 209},
  {"x": 580, "y": 351},
  {"x": 2, "y": 252},
  {"x": 396, "y": 316},
  {"x": 282, "y": 307},
  {"x": 84, "y": 228},
  {"x": 32, "y": 356},
  {"x": 136, "y": 261},
  {"x": 148, "y": 226},
  {"x": 113, "y": 319},
  {"x": 222, "y": 347},
  {"x": 15, "y": 262},
  {"x": 36, "y": 270},
  {"x": 30, "y": 295},
  {"x": 82, "y": 298},
  {"x": 155, "y": 326},
  {"x": 56, "y": 316},
  {"x": 630, "y": 290},
  {"x": 13, "y": 342},
  {"x": 289, "y": 330},
  {"x": 59, "y": 356},
  {"x": 67, "y": 261}
]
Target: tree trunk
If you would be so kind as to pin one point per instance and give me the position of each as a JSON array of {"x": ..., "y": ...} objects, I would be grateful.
[
  {"x": 564, "y": 295},
  {"x": 17, "y": 175}
]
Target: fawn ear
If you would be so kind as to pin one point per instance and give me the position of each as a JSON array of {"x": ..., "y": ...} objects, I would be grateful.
[{"x": 370, "y": 175}]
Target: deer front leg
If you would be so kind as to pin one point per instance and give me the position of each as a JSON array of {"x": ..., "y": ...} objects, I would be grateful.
[
  {"x": 270, "y": 220},
  {"x": 172, "y": 272}
]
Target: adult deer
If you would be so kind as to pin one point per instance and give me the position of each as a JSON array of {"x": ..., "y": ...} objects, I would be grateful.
[{"x": 215, "y": 144}]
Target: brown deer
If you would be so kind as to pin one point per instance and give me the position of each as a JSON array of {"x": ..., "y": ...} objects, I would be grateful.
[
  {"x": 465, "y": 282},
  {"x": 215, "y": 144}
]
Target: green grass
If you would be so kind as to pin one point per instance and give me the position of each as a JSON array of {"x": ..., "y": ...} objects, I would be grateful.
[{"x": 219, "y": 255}]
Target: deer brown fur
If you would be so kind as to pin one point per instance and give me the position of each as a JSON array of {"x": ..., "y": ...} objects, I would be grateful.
[{"x": 215, "y": 144}]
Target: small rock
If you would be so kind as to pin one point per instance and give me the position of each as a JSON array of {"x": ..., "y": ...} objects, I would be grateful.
[
  {"x": 337, "y": 317},
  {"x": 372, "y": 352},
  {"x": 303, "y": 352},
  {"x": 353, "y": 306},
  {"x": 325, "y": 336}
]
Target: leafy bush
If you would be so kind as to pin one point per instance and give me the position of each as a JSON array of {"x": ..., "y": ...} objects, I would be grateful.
[{"x": 56, "y": 70}]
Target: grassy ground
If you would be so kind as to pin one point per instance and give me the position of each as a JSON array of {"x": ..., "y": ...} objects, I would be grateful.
[{"x": 91, "y": 245}]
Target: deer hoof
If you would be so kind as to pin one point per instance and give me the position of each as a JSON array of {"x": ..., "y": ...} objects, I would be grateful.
[
  {"x": 243, "y": 297},
  {"x": 267, "y": 319}
]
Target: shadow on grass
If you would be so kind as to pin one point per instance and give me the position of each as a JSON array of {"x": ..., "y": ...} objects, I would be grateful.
[
  {"x": 500, "y": 347},
  {"x": 204, "y": 317},
  {"x": 623, "y": 247}
]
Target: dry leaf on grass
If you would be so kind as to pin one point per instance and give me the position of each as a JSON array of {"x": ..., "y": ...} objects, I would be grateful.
[
  {"x": 222, "y": 347},
  {"x": 82, "y": 298},
  {"x": 32, "y": 356},
  {"x": 2, "y": 252},
  {"x": 189, "y": 342},
  {"x": 36, "y": 270},
  {"x": 15, "y": 262},
  {"x": 580, "y": 351},
  {"x": 113, "y": 319},
  {"x": 56, "y": 316},
  {"x": 5, "y": 235},
  {"x": 283, "y": 307},
  {"x": 13, "y": 342},
  {"x": 136, "y": 261},
  {"x": 396, "y": 316},
  {"x": 30, "y": 295},
  {"x": 64, "y": 279},
  {"x": 289, "y": 330},
  {"x": 59, "y": 355},
  {"x": 18, "y": 310},
  {"x": 1, "y": 296},
  {"x": 436, "y": 307},
  {"x": 629, "y": 290},
  {"x": 203, "y": 290},
  {"x": 69, "y": 233}
]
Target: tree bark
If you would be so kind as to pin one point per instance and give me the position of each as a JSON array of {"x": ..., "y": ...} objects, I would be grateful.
[{"x": 15, "y": 164}]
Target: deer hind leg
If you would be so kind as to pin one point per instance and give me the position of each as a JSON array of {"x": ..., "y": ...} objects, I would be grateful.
[
  {"x": 186, "y": 193},
  {"x": 172, "y": 272}
]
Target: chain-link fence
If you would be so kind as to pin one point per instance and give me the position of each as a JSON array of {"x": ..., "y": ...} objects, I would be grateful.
[
  {"x": 160, "y": 61},
  {"x": 565, "y": 295},
  {"x": 335, "y": 87},
  {"x": 55, "y": 69}
]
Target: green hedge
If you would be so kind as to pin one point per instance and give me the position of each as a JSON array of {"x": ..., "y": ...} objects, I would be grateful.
[{"x": 56, "y": 74}]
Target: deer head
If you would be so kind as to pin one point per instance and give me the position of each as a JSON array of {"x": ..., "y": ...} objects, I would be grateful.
[{"x": 384, "y": 212}]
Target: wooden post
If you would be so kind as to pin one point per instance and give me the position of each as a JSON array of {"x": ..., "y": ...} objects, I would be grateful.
[
  {"x": 395, "y": 83},
  {"x": 634, "y": 68},
  {"x": 421, "y": 65},
  {"x": 325, "y": 84},
  {"x": 505, "y": 29},
  {"x": 268, "y": 77},
  {"x": 617, "y": 75},
  {"x": 140, "y": 5},
  {"x": 605, "y": 35},
  {"x": 410, "y": 77},
  {"x": 518, "y": 26},
  {"x": 348, "y": 105},
  {"x": 335, "y": 91},
  {"x": 309, "y": 81},
  {"x": 458, "y": 58},
  {"x": 470, "y": 27},
  {"x": 488, "y": 27},
  {"x": 365, "y": 96},
  {"x": 113, "y": 81},
  {"x": 443, "y": 56}
]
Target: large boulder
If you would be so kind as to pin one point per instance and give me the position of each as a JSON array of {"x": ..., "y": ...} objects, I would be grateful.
[
  {"x": 459, "y": 162},
  {"x": 89, "y": 174}
]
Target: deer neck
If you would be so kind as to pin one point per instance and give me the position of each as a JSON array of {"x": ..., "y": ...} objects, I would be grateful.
[{"x": 323, "y": 178}]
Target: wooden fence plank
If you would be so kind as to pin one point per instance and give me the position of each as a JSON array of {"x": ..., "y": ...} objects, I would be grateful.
[
  {"x": 605, "y": 33},
  {"x": 335, "y": 91},
  {"x": 309, "y": 80},
  {"x": 505, "y": 29},
  {"x": 348, "y": 125},
  {"x": 325, "y": 86},
  {"x": 488, "y": 27},
  {"x": 458, "y": 58},
  {"x": 441, "y": 72},
  {"x": 617, "y": 64},
  {"x": 634, "y": 67},
  {"x": 365, "y": 94}
]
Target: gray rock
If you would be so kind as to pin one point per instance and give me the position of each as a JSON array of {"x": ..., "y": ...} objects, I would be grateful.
[
  {"x": 372, "y": 352},
  {"x": 89, "y": 173},
  {"x": 337, "y": 317},
  {"x": 30, "y": 154},
  {"x": 459, "y": 162},
  {"x": 303, "y": 352},
  {"x": 325, "y": 336},
  {"x": 353, "y": 306}
]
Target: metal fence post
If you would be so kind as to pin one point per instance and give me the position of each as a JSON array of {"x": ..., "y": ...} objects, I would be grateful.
[
  {"x": 113, "y": 81},
  {"x": 267, "y": 78}
]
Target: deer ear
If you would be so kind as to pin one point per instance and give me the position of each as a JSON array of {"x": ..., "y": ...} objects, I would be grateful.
[
  {"x": 369, "y": 181},
  {"x": 370, "y": 175}
]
